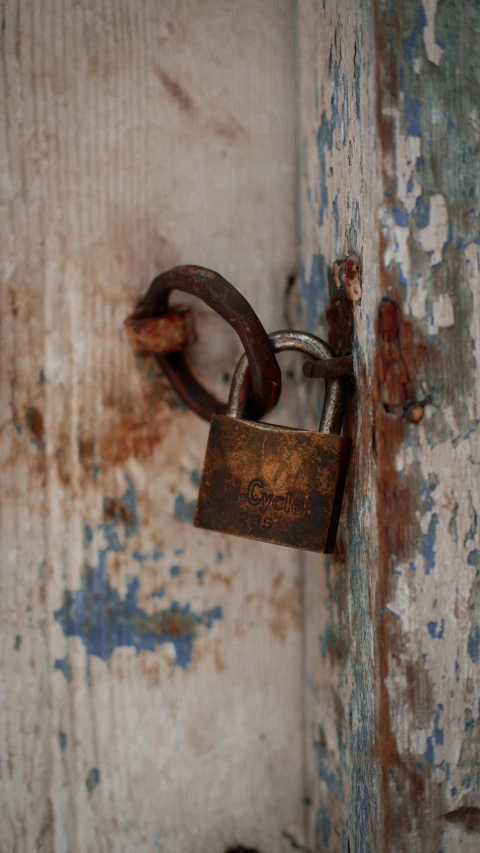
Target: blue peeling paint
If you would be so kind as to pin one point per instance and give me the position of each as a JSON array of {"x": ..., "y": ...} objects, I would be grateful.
[
  {"x": 175, "y": 571},
  {"x": 220, "y": 556},
  {"x": 438, "y": 733},
  {"x": 340, "y": 122},
  {"x": 159, "y": 593},
  {"x": 62, "y": 739},
  {"x": 184, "y": 510},
  {"x": 469, "y": 537},
  {"x": 422, "y": 211},
  {"x": 327, "y": 639},
  {"x": 428, "y": 486},
  {"x": 414, "y": 41},
  {"x": 87, "y": 534},
  {"x": 111, "y": 537},
  {"x": 436, "y": 632},
  {"x": 428, "y": 544},
  {"x": 400, "y": 217},
  {"x": 472, "y": 558},
  {"x": 469, "y": 720},
  {"x": 473, "y": 646},
  {"x": 179, "y": 551},
  {"x": 64, "y": 665},
  {"x": 195, "y": 476},
  {"x": 200, "y": 573},
  {"x": 315, "y": 291},
  {"x": 324, "y": 141},
  {"x": 322, "y": 826},
  {"x": 140, "y": 558},
  {"x": 457, "y": 671},
  {"x": 429, "y": 754},
  {"x": 412, "y": 115},
  {"x": 104, "y": 621},
  {"x": 93, "y": 779},
  {"x": 325, "y": 772},
  {"x": 453, "y": 791}
]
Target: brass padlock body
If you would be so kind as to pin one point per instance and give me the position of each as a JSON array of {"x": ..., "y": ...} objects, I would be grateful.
[{"x": 273, "y": 483}]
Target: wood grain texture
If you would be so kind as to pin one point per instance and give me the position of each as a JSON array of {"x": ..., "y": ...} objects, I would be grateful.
[
  {"x": 151, "y": 673},
  {"x": 389, "y": 134}
]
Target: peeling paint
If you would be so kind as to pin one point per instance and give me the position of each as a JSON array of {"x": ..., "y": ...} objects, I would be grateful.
[
  {"x": 183, "y": 509},
  {"x": 428, "y": 544},
  {"x": 433, "y": 50},
  {"x": 93, "y": 779},
  {"x": 434, "y": 235},
  {"x": 195, "y": 477},
  {"x": 314, "y": 290},
  {"x": 64, "y": 665},
  {"x": 104, "y": 620}
]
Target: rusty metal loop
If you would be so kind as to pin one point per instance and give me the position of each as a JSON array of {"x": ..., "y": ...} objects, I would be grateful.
[{"x": 265, "y": 378}]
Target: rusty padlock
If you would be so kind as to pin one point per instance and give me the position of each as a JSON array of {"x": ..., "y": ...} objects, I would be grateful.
[{"x": 275, "y": 483}]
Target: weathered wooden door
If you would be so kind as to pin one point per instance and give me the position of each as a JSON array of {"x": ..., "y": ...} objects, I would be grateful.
[{"x": 166, "y": 689}]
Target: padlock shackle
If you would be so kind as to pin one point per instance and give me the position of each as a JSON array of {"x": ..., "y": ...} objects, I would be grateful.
[{"x": 304, "y": 342}]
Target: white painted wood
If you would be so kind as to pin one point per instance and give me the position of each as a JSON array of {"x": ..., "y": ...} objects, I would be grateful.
[{"x": 134, "y": 137}]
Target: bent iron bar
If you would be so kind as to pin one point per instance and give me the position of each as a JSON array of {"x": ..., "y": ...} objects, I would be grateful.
[
  {"x": 156, "y": 329},
  {"x": 265, "y": 378}
]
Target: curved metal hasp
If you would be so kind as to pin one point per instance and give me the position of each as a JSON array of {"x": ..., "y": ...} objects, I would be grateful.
[
  {"x": 216, "y": 292},
  {"x": 275, "y": 483}
]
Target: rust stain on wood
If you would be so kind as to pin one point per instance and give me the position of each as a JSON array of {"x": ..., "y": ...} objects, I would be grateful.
[
  {"x": 34, "y": 421},
  {"x": 229, "y": 128},
  {"x": 286, "y": 612},
  {"x": 129, "y": 429},
  {"x": 116, "y": 510},
  {"x": 401, "y": 352},
  {"x": 176, "y": 91},
  {"x": 339, "y": 315},
  {"x": 401, "y": 356}
]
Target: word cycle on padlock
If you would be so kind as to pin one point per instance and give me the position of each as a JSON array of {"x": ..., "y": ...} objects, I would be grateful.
[{"x": 274, "y": 483}]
